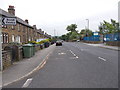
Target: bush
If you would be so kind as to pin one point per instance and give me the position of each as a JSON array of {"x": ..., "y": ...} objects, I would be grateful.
[
  {"x": 43, "y": 41},
  {"x": 32, "y": 42},
  {"x": 14, "y": 43}
]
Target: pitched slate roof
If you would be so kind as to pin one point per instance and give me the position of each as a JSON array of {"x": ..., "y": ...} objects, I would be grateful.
[{"x": 19, "y": 20}]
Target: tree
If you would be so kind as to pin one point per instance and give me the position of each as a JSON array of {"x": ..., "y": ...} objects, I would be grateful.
[
  {"x": 74, "y": 36},
  {"x": 86, "y": 32},
  {"x": 106, "y": 27},
  {"x": 72, "y": 28}
]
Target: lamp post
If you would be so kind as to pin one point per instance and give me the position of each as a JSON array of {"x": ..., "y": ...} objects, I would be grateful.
[
  {"x": 87, "y": 24},
  {"x": 1, "y": 64},
  {"x": 87, "y": 27}
]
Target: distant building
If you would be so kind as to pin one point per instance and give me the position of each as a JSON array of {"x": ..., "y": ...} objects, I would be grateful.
[{"x": 22, "y": 32}]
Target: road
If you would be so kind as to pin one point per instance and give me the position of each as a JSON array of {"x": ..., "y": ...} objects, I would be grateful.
[{"x": 75, "y": 65}]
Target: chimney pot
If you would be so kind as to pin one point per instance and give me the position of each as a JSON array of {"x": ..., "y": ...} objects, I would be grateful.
[
  {"x": 11, "y": 10},
  {"x": 26, "y": 21}
]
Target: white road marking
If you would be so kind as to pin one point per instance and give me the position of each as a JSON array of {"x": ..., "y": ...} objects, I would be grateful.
[
  {"x": 102, "y": 58},
  {"x": 61, "y": 53},
  {"x": 77, "y": 57},
  {"x": 27, "y": 83},
  {"x": 74, "y": 54},
  {"x": 43, "y": 64}
]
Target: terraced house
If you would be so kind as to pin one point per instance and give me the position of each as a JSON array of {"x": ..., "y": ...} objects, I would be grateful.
[{"x": 22, "y": 32}]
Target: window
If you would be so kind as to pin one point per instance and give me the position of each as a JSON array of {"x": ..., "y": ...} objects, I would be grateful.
[
  {"x": 13, "y": 38},
  {"x": 24, "y": 38},
  {"x": 18, "y": 39},
  {"x": 12, "y": 27},
  {"x": 1, "y": 38},
  {"x": 5, "y": 37},
  {"x": 29, "y": 39},
  {"x": 23, "y": 28},
  {"x": 4, "y": 26},
  {"x": 19, "y": 27}
]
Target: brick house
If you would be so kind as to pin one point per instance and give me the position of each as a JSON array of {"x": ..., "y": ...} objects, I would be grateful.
[{"x": 22, "y": 32}]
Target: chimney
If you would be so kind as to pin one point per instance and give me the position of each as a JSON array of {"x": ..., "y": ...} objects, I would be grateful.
[
  {"x": 34, "y": 26},
  {"x": 11, "y": 10},
  {"x": 26, "y": 21},
  {"x": 40, "y": 30},
  {"x": 43, "y": 32}
]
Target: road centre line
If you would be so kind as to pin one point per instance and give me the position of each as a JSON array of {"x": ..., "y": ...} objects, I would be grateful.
[
  {"x": 27, "y": 83},
  {"x": 74, "y": 54},
  {"x": 102, "y": 58}
]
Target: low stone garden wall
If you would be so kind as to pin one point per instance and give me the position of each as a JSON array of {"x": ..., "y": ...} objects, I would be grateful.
[
  {"x": 11, "y": 54},
  {"x": 113, "y": 43},
  {"x": 92, "y": 42},
  {"x": 7, "y": 59}
]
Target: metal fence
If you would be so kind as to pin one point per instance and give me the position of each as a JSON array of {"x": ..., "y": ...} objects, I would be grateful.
[
  {"x": 112, "y": 37},
  {"x": 107, "y": 37},
  {"x": 92, "y": 38}
]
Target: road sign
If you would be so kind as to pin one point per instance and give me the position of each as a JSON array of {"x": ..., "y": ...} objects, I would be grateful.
[
  {"x": 95, "y": 33},
  {"x": 9, "y": 21}
]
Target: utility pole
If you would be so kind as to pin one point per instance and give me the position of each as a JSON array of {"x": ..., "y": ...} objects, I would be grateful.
[
  {"x": 87, "y": 24},
  {"x": 1, "y": 64}
]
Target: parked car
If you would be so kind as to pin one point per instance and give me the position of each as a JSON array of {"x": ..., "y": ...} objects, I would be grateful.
[{"x": 59, "y": 43}]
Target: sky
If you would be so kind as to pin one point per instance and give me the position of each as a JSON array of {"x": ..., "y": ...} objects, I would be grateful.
[{"x": 53, "y": 16}]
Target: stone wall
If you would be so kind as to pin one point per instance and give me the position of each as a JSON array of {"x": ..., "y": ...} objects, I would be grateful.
[
  {"x": 7, "y": 59},
  {"x": 20, "y": 53},
  {"x": 113, "y": 43},
  {"x": 92, "y": 42}
]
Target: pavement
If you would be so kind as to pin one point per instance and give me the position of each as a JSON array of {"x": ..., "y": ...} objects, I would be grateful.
[
  {"x": 25, "y": 67},
  {"x": 103, "y": 45}
]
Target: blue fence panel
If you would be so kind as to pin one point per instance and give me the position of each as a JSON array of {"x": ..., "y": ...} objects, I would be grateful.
[
  {"x": 92, "y": 38},
  {"x": 112, "y": 37},
  {"x": 107, "y": 37}
]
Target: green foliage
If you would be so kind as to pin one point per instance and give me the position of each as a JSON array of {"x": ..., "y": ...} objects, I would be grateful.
[
  {"x": 73, "y": 36},
  {"x": 71, "y": 28},
  {"x": 32, "y": 42},
  {"x": 14, "y": 43},
  {"x": 86, "y": 32},
  {"x": 106, "y": 27},
  {"x": 43, "y": 41}
]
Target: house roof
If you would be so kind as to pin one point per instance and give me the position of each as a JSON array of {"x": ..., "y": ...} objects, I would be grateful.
[{"x": 19, "y": 20}]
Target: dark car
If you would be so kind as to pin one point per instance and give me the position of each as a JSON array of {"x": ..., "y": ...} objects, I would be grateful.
[{"x": 58, "y": 43}]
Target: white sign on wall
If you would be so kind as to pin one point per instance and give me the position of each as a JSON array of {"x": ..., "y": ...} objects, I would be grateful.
[{"x": 9, "y": 21}]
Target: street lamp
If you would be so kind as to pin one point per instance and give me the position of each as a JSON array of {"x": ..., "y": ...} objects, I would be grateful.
[
  {"x": 87, "y": 27},
  {"x": 87, "y": 24},
  {"x": 1, "y": 63}
]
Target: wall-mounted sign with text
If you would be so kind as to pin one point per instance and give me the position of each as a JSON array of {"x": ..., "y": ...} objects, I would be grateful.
[{"x": 9, "y": 21}]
